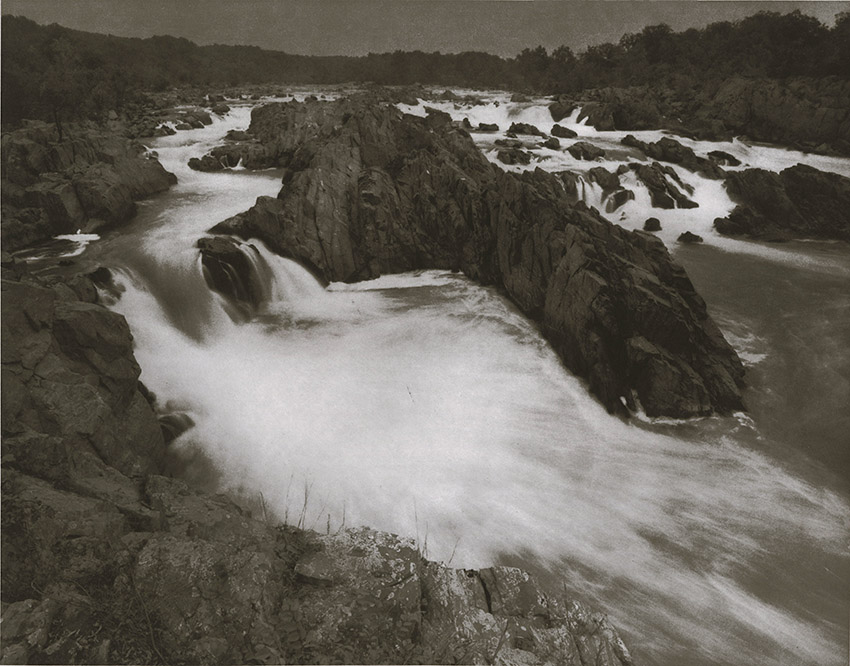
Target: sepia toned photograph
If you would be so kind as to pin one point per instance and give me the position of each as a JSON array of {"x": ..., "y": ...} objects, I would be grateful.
[{"x": 425, "y": 332}]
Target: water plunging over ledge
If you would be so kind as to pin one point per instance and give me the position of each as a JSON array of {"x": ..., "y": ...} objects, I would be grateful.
[{"x": 428, "y": 406}]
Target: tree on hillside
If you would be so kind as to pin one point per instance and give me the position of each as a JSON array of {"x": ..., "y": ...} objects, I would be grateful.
[{"x": 61, "y": 92}]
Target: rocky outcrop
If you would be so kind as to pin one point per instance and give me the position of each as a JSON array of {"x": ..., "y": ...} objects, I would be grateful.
[
  {"x": 652, "y": 224},
  {"x": 87, "y": 181},
  {"x": 612, "y": 108},
  {"x": 369, "y": 191},
  {"x": 106, "y": 560},
  {"x": 812, "y": 114},
  {"x": 582, "y": 150},
  {"x": 235, "y": 270},
  {"x": 664, "y": 186},
  {"x": 670, "y": 150},
  {"x": 563, "y": 132},
  {"x": 525, "y": 128},
  {"x": 799, "y": 202}
]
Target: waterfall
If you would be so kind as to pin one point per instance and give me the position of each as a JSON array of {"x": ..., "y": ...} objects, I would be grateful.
[{"x": 427, "y": 405}]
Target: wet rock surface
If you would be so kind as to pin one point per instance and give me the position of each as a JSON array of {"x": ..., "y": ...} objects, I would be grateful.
[
  {"x": 369, "y": 191},
  {"x": 233, "y": 268},
  {"x": 106, "y": 560},
  {"x": 88, "y": 181},
  {"x": 670, "y": 150},
  {"x": 798, "y": 202}
]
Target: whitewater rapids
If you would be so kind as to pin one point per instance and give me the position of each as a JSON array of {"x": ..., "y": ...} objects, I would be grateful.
[{"x": 426, "y": 405}]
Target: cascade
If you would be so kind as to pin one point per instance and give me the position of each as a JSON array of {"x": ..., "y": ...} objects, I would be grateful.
[{"x": 426, "y": 405}]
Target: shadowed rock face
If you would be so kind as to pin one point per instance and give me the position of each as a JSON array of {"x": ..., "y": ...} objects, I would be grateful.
[
  {"x": 369, "y": 191},
  {"x": 799, "y": 202}
]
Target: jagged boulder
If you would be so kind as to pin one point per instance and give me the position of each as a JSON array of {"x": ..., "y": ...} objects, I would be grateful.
[
  {"x": 689, "y": 238},
  {"x": 525, "y": 128},
  {"x": 370, "y": 191},
  {"x": 560, "y": 109},
  {"x": 662, "y": 181},
  {"x": 563, "y": 132},
  {"x": 724, "y": 158},
  {"x": 798, "y": 202},
  {"x": 583, "y": 150},
  {"x": 670, "y": 150},
  {"x": 513, "y": 156}
]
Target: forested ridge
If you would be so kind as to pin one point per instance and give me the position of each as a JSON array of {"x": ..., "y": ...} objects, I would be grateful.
[{"x": 51, "y": 71}]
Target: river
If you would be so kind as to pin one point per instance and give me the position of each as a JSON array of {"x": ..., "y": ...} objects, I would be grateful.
[{"x": 426, "y": 405}]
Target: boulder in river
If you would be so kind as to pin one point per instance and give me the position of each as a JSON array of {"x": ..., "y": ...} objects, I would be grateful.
[
  {"x": 670, "y": 150},
  {"x": 369, "y": 191},
  {"x": 583, "y": 150},
  {"x": 652, "y": 224},
  {"x": 563, "y": 132},
  {"x": 525, "y": 128},
  {"x": 689, "y": 238},
  {"x": 798, "y": 202},
  {"x": 233, "y": 268},
  {"x": 513, "y": 156},
  {"x": 662, "y": 181}
]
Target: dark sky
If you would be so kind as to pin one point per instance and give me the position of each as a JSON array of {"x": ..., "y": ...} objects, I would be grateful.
[{"x": 354, "y": 27}]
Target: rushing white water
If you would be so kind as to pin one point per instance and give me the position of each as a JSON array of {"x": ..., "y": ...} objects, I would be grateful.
[
  {"x": 714, "y": 202},
  {"x": 428, "y": 406}
]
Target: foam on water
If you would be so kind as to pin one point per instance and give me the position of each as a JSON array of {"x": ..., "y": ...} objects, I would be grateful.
[
  {"x": 425, "y": 405},
  {"x": 436, "y": 410},
  {"x": 713, "y": 200}
]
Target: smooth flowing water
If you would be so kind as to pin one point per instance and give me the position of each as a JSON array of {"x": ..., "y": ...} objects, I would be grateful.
[{"x": 428, "y": 406}]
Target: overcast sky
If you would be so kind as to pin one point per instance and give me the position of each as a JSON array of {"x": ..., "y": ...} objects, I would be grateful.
[{"x": 355, "y": 27}]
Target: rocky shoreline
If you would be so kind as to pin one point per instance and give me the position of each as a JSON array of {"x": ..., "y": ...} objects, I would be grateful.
[
  {"x": 106, "y": 560},
  {"x": 88, "y": 180}
]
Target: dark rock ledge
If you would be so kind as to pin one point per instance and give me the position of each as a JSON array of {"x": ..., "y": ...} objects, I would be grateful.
[
  {"x": 106, "y": 560},
  {"x": 90, "y": 180},
  {"x": 368, "y": 190},
  {"x": 798, "y": 202}
]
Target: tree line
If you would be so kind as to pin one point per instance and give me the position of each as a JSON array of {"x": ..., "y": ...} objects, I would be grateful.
[{"x": 56, "y": 73}]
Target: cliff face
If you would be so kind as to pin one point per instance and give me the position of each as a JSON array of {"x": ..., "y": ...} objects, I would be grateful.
[
  {"x": 368, "y": 191},
  {"x": 105, "y": 560},
  {"x": 89, "y": 180}
]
